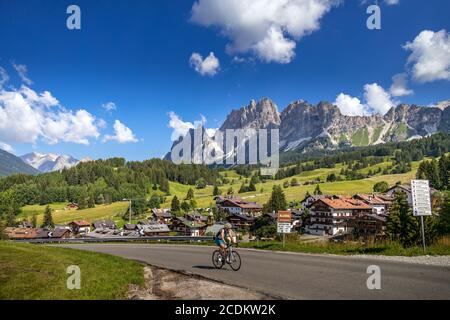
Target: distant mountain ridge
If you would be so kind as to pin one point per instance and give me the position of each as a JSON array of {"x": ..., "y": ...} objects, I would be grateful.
[
  {"x": 305, "y": 127},
  {"x": 10, "y": 164},
  {"x": 50, "y": 162}
]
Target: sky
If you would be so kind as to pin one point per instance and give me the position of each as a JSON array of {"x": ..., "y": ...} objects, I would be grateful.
[{"x": 139, "y": 73}]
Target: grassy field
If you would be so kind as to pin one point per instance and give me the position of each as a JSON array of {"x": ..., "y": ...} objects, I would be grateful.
[
  {"x": 39, "y": 272},
  {"x": 112, "y": 211},
  {"x": 204, "y": 197}
]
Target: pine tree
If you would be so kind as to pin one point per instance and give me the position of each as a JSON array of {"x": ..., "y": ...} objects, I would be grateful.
[
  {"x": 48, "y": 218},
  {"x": 175, "y": 204},
  {"x": 91, "y": 201},
  {"x": 82, "y": 201},
  {"x": 277, "y": 200},
  {"x": 190, "y": 194},
  {"x": 10, "y": 217},
  {"x": 317, "y": 191},
  {"x": 216, "y": 191},
  {"x": 443, "y": 223},
  {"x": 401, "y": 225},
  {"x": 34, "y": 221}
]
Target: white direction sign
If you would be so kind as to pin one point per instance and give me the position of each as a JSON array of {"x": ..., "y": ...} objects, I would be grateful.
[
  {"x": 283, "y": 227},
  {"x": 420, "y": 191}
]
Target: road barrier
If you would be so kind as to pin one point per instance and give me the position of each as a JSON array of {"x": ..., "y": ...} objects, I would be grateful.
[{"x": 119, "y": 239}]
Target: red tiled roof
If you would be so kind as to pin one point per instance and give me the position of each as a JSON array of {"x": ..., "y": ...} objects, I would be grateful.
[
  {"x": 375, "y": 199},
  {"x": 345, "y": 203},
  {"x": 81, "y": 223},
  {"x": 244, "y": 204}
]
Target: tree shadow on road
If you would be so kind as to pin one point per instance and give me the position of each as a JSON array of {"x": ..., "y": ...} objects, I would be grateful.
[{"x": 206, "y": 268}]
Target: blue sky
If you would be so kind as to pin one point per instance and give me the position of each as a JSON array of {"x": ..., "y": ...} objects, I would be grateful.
[{"x": 136, "y": 54}]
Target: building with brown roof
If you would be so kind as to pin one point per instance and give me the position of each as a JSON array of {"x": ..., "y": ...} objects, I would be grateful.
[
  {"x": 380, "y": 203},
  {"x": 331, "y": 216},
  {"x": 236, "y": 205},
  {"x": 80, "y": 227}
]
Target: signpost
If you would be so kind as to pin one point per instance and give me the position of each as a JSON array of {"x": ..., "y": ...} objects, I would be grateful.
[
  {"x": 284, "y": 223},
  {"x": 420, "y": 191}
]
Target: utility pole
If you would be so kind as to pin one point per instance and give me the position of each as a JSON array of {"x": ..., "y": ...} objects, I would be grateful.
[
  {"x": 423, "y": 234},
  {"x": 129, "y": 213}
]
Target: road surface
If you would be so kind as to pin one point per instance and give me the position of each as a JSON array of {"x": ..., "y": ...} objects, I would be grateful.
[{"x": 292, "y": 275}]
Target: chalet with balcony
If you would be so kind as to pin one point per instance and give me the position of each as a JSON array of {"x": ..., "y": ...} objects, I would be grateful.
[
  {"x": 236, "y": 205},
  {"x": 331, "y": 216}
]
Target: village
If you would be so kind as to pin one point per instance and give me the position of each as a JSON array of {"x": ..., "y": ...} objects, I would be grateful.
[{"x": 320, "y": 215}]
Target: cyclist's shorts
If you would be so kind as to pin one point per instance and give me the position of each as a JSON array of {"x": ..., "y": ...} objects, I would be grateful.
[{"x": 219, "y": 242}]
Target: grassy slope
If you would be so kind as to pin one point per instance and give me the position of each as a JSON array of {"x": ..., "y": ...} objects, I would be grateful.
[
  {"x": 204, "y": 197},
  {"x": 39, "y": 272},
  {"x": 61, "y": 216}
]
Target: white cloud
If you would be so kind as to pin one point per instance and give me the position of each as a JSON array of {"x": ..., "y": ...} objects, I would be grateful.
[
  {"x": 378, "y": 100},
  {"x": 26, "y": 117},
  {"x": 22, "y": 71},
  {"x": 349, "y": 105},
  {"x": 45, "y": 98},
  {"x": 4, "y": 78},
  {"x": 275, "y": 47},
  {"x": 392, "y": 2},
  {"x": 430, "y": 57},
  {"x": 399, "y": 86},
  {"x": 122, "y": 134},
  {"x": 255, "y": 26},
  {"x": 208, "y": 66},
  {"x": 180, "y": 128},
  {"x": 6, "y": 147},
  {"x": 109, "y": 106}
]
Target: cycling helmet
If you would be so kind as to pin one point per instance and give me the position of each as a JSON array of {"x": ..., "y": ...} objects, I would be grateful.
[{"x": 228, "y": 225}]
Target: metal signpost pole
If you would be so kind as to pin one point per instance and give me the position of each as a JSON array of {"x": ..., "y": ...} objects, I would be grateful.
[
  {"x": 421, "y": 200},
  {"x": 129, "y": 213},
  {"x": 423, "y": 234}
]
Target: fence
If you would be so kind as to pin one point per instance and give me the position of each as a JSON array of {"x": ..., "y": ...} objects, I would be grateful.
[{"x": 119, "y": 239}]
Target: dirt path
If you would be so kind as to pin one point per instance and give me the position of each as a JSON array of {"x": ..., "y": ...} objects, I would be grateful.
[{"x": 163, "y": 284}]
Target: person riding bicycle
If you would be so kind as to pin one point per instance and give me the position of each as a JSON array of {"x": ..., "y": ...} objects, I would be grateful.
[{"x": 224, "y": 236}]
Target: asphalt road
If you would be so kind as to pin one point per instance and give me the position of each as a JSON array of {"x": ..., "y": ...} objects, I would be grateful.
[{"x": 295, "y": 276}]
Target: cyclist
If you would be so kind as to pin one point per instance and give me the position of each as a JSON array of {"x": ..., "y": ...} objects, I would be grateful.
[{"x": 224, "y": 236}]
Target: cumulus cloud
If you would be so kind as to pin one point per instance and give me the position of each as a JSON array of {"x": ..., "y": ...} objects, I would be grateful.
[
  {"x": 6, "y": 147},
  {"x": 122, "y": 134},
  {"x": 4, "y": 78},
  {"x": 430, "y": 56},
  {"x": 180, "y": 128},
  {"x": 399, "y": 85},
  {"x": 23, "y": 73},
  {"x": 26, "y": 117},
  {"x": 377, "y": 101},
  {"x": 266, "y": 28},
  {"x": 208, "y": 66},
  {"x": 349, "y": 105},
  {"x": 109, "y": 106}
]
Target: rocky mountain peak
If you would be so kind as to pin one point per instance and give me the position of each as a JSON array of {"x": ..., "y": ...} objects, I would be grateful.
[{"x": 257, "y": 115}]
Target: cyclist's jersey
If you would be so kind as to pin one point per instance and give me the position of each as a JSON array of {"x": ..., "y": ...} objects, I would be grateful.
[{"x": 226, "y": 233}]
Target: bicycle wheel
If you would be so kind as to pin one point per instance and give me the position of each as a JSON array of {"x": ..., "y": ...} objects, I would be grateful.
[
  {"x": 217, "y": 259},
  {"x": 235, "y": 261}
]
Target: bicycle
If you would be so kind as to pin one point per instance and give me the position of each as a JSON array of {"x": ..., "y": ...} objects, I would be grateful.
[{"x": 232, "y": 258}]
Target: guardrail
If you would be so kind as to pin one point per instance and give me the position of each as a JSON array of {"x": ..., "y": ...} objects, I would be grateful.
[{"x": 118, "y": 239}]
